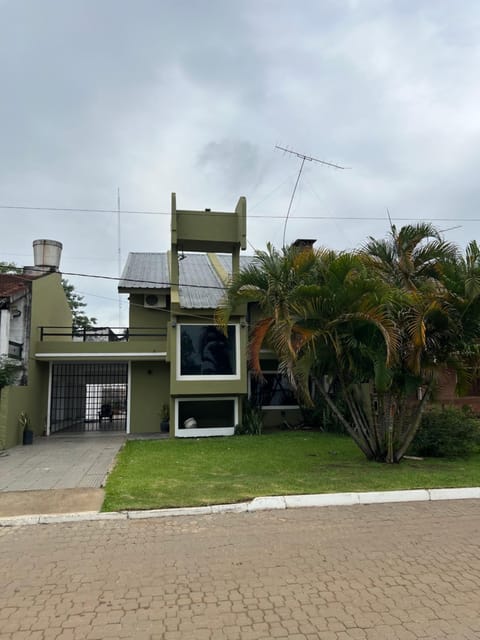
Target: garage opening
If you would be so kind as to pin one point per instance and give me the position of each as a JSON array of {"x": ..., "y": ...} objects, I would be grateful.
[{"x": 89, "y": 397}]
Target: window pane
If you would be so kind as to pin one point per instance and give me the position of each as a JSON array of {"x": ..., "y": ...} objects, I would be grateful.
[
  {"x": 206, "y": 414},
  {"x": 274, "y": 390},
  {"x": 205, "y": 350}
]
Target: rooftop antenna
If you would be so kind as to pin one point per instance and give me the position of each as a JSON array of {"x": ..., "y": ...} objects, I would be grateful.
[
  {"x": 303, "y": 158},
  {"x": 119, "y": 256}
]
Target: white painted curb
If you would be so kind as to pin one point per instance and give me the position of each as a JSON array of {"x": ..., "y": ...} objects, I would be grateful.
[
  {"x": 263, "y": 503},
  {"x": 266, "y": 503},
  {"x": 454, "y": 494},
  {"x": 380, "y": 497},
  {"x": 321, "y": 500}
]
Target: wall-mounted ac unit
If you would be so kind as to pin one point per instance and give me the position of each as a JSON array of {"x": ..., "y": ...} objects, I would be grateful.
[{"x": 154, "y": 301}]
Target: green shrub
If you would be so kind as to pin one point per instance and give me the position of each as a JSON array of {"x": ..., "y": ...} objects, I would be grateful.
[
  {"x": 446, "y": 432},
  {"x": 8, "y": 370},
  {"x": 252, "y": 421}
]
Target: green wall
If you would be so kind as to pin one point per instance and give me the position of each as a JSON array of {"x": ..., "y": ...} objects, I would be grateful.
[{"x": 149, "y": 392}]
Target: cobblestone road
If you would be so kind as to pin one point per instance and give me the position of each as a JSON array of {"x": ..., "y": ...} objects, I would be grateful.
[{"x": 374, "y": 572}]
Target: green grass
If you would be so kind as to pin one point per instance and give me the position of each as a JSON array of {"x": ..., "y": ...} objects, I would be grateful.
[{"x": 175, "y": 473}]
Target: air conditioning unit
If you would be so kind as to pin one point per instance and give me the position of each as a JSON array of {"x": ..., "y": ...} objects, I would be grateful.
[{"x": 154, "y": 301}]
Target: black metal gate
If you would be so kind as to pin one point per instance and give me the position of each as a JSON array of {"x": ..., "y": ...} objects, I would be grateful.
[{"x": 89, "y": 397}]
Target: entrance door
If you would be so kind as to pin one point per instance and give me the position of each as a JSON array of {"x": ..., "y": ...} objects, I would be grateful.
[{"x": 89, "y": 397}]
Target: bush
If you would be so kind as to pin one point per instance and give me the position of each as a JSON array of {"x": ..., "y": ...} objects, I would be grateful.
[
  {"x": 252, "y": 421},
  {"x": 8, "y": 371},
  {"x": 446, "y": 432}
]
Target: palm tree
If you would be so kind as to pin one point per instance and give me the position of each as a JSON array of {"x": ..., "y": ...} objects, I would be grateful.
[
  {"x": 380, "y": 326},
  {"x": 275, "y": 281},
  {"x": 413, "y": 255}
]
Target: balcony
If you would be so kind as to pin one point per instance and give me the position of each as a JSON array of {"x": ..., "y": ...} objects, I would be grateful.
[{"x": 101, "y": 343}]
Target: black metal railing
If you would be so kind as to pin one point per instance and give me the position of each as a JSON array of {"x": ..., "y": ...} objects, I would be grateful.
[{"x": 101, "y": 334}]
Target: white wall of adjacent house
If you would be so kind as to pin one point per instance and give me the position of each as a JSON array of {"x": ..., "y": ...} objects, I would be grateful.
[
  {"x": 4, "y": 331},
  {"x": 18, "y": 316}
]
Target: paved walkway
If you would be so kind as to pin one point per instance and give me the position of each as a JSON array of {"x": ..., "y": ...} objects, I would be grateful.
[
  {"x": 59, "y": 474},
  {"x": 375, "y": 572}
]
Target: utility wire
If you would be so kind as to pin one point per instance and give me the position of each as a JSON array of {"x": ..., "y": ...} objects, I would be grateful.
[
  {"x": 163, "y": 285},
  {"x": 264, "y": 216}
]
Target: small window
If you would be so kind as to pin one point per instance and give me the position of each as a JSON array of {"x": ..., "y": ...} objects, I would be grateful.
[
  {"x": 206, "y": 416},
  {"x": 274, "y": 391},
  {"x": 204, "y": 350}
]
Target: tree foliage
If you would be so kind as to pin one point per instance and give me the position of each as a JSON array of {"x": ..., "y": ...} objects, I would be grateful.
[
  {"x": 377, "y": 326},
  {"x": 9, "y": 370},
  {"x": 77, "y": 306}
]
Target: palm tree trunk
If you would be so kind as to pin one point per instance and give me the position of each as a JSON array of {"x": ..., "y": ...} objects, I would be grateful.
[{"x": 362, "y": 443}]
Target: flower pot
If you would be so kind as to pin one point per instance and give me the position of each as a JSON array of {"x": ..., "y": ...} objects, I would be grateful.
[
  {"x": 27, "y": 436},
  {"x": 165, "y": 426}
]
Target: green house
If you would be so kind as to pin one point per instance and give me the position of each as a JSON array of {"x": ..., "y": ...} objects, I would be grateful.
[{"x": 171, "y": 369}]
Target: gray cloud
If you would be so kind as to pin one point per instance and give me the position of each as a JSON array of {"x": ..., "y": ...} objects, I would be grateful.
[{"x": 192, "y": 97}]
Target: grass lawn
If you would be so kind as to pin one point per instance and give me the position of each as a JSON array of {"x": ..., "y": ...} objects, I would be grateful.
[{"x": 174, "y": 473}]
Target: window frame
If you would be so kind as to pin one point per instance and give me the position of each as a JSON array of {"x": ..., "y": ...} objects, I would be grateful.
[
  {"x": 203, "y": 377},
  {"x": 206, "y": 431}
]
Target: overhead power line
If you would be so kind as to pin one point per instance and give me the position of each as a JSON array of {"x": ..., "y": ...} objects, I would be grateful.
[
  {"x": 264, "y": 216},
  {"x": 159, "y": 284}
]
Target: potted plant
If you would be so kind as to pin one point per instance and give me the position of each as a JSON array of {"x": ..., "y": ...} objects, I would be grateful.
[
  {"x": 165, "y": 421},
  {"x": 24, "y": 422}
]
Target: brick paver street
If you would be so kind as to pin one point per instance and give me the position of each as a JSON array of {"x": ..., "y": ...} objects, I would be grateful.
[{"x": 403, "y": 571}]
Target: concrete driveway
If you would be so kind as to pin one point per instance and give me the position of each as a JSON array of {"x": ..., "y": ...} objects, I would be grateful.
[{"x": 59, "y": 474}]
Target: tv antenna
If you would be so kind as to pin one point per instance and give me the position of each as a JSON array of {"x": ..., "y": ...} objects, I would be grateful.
[{"x": 303, "y": 158}]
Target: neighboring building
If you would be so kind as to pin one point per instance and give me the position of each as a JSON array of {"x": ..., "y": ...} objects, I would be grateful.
[{"x": 28, "y": 300}]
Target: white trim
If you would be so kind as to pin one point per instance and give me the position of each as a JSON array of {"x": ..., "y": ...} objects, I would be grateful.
[
  {"x": 49, "y": 401},
  {"x": 129, "y": 395},
  {"x": 200, "y": 377},
  {"x": 122, "y": 356},
  {"x": 206, "y": 431}
]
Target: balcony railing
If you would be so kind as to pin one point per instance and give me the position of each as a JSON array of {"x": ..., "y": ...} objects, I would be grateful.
[{"x": 101, "y": 334}]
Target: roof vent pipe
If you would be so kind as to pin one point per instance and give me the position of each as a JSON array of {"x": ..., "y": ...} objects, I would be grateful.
[{"x": 46, "y": 254}]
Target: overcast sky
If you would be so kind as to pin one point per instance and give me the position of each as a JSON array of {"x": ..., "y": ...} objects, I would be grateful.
[{"x": 191, "y": 96}]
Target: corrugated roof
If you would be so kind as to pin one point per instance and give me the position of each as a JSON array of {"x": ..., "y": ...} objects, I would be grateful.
[
  {"x": 207, "y": 290},
  {"x": 226, "y": 261},
  {"x": 150, "y": 271},
  {"x": 146, "y": 271}
]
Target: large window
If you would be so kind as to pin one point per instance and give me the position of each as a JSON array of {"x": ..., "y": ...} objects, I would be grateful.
[
  {"x": 205, "y": 416},
  {"x": 204, "y": 350},
  {"x": 272, "y": 392}
]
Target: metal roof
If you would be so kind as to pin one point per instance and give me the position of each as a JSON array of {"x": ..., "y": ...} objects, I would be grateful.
[
  {"x": 226, "y": 261},
  {"x": 207, "y": 290},
  {"x": 146, "y": 271},
  {"x": 151, "y": 271}
]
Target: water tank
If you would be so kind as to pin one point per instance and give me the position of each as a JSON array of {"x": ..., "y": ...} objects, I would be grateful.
[{"x": 47, "y": 253}]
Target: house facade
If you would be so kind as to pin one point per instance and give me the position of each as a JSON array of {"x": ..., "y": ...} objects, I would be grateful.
[{"x": 170, "y": 362}]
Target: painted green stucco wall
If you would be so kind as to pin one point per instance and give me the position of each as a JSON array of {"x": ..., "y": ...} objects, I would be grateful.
[
  {"x": 149, "y": 392},
  {"x": 139, "y": 316}
]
